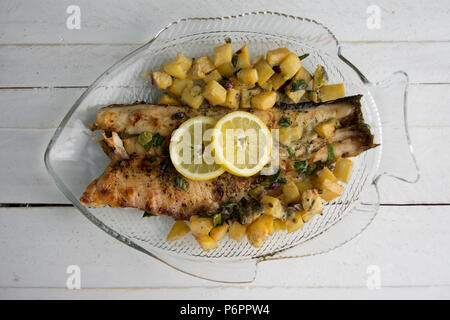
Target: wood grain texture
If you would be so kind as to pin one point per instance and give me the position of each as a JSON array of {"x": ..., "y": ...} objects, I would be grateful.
[
  {"x": 53, "y": 238},
  {"x": 138, "y": 21}
]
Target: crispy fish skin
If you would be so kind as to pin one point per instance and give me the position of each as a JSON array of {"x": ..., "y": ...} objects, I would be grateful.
[{"x": 138, "y": 184}]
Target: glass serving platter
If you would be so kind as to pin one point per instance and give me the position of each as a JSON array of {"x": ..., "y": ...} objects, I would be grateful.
[{"x": 74, "y": 159}]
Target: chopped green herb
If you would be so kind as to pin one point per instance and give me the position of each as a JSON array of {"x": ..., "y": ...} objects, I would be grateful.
[
  {"x": 303, "y": 56},
  {"x": 144, "y": 138},
  {"x": 234, "y": 60},
  {"x": 256, "y": 193},
  {"x": 217, "y": 220},
  {"x": 289, "y": 150},
  {"x": 282, "y": 180},
  {"x": 157, "y": 140},
  {"x": 312, "y": 204},
  {"x": 311, "y": 168},
  {"x": 284, "y": 122},
  {"x": 300, "y": 166},
  {"x": 152, "y": 159},
  {"x": 228, "y": 205},
  {"x": 270, "y": 180},
  {"x": 330, "y": 157},
  {"x": 148, "y": 214},
  {"x": 183, "y": 184},
  {"x": 299, "y": 85},
  {"x": 319, "y": 191}
]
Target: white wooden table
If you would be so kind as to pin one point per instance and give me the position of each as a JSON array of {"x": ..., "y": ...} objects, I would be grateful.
[{"x": 45, "y": 66}]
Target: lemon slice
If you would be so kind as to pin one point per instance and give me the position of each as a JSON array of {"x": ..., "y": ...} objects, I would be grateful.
[
  {"x": 242, "y": 143},
  {"x": 191, "y": 149}
]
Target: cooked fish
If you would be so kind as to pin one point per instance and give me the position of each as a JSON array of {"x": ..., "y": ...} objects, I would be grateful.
[{"x": 132, "y": 181}]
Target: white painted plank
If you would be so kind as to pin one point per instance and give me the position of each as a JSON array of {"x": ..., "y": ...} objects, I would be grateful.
[
  {"x": 410, "y": 245},
  {"x": 137, "y": 21},
  {"x": 80, "y": 65}
]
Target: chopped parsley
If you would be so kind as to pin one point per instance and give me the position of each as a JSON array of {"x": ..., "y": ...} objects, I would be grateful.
[
  {"x": 217, "y": 220},
  {"x": 303, "y": 56},
  {"x": 330, "y": 157},
  {"x": 289, "y": 150},
  {"x": 148, "y": 214},
  {"x": 284, "y": 122},
  {"x": 183, "y": 184},
  {"x": 299, "y": 85},
  {"x": 234, "y": 60}
]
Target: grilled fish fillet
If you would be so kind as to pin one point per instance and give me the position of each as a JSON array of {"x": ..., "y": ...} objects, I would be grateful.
[{"x": 136, "y": 183}]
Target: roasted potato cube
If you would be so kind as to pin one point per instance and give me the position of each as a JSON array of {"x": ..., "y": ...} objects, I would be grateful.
[
  {"x": 196, "y": 73},
  {"x": 162, "y": 79},
  {"x": 213, "y": 75},
  {"x": 258, "y": 230},
  {"x": 303, "y": 74},
  {"x": 290, "y": 65},
  {"x": 248, "y": 76},
  {"x": 330, "y": 190},
  {"x": 192, "y": 97},
  {"x": 290, "y": 192},
  {"x": 312, "y": 96},
  {"x": 289, "y": 134},
  {"x": 323, "y": 174},
  {"x": 185, "y": 62},
  {"x": 243, "y": 58},
  {"x": 200, "y": 225},
  {"x": 264, "y": 100},
  {"x": 204, "y": 63},
  {"x": 272, "y": 206},
  {"x": 332, "y": 92},
  {"x": 237, "y": 231},
  {"x": 179, "y": 85},
  {"x": 214, "y": 93},
  {"x": 304, "y": 185},
  {"x": 295, "y": 223},
  {"x": 320, "y": 78},
  {"x": 308, "y": 215},
  {"x": 178, "y": 231},
  {"x": 311, "y": 201},
  {"x": 267, "y": 86},
  {"x": 277, "y": 81},
  {"x": 295, "y": 96},
  {"x": 233, "y": 98},
  {"x": 343, "y": 169},
  {"x": 279, "y": 224},
  {"x": 268, "y": 222},
  {"x": 175, "y": 69},
  {"x": 223, "y": 54},
  {"x": 217, "y": 233},
  {"x": 326, "y": 130},
  {"x": 274, "y": 57},
  {"x": 205, "y": 241},
  {"x": 167, "y": 99},
  {"x": 246, "y": 96},
  {"x": 264, "y": 70},
  {"x": 226, "y": 69}
]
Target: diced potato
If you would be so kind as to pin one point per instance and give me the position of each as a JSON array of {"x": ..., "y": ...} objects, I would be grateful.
[
  {"x": 185, "y": 62},
  {"x": 326, "y": 130},
  {"x": 237, "y": 231},
  {"x": 311, "y": 201},
  {"x": 268, "y": 85},
  {"x": 304, "y": 185},
  {"x": 178, "y": 231},
  {"x": 217, "y": 233},
  {"x": 312, "y": 96},
  {"x": 272, "y": 206},
  {"x": 258, "y": 230},
  {"x": 343, "y": 169},
  {"x": 204, "y": 63},
  {"x": 196, "y": 73},
  {"x": 226, "y": 69},
  {"x": 248, "y": 76},
  {"x": 320, "y": 78},
  {"x": 308, "y": 215},
  {"x": 162, "y": 79},
  {"x": 323, "y": 174},
  {"x": 175, "y": 69},
  {"x": 264, "y": 70},
  {"x": 200, "y": 225},
  {"x": 205, "y": 241},
  {"x": 192, "y": 97},
  {"x": 277, "y": 81},
  {"x": 214, "y": 93},
  {"x": 278, "y": 225},
  {"x": 246, "y": 96},
  {"x": 213, "y": 75},
  {"x": 295, "y": 223},
  {"x": 179, "y": 85},
  {"x": 243, "y": 58},
  {"x": 223, "y": 54},
  {"x": 264, "y": 100},
  {"x": 330, "y": 190},
  {"x": 303, "y": 74},
  {"x": 332, "y": 92},
  {"x": 167, "y": 99},
  {"x": 290, "y": 192},
  {"x": 288, "y": 134},
  {"x": 290, "y": 65},
  {"x": 274, "y": 57},
  {"x": 233, "y": 98},
  {"x": 295, "y": 96}
]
